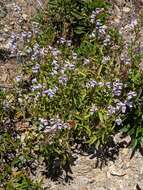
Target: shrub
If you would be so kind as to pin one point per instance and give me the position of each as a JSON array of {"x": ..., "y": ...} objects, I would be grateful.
[{"x": 78, "y": 87}]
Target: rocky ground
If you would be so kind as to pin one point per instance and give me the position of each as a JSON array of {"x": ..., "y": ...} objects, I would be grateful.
[
  {"x": 15, "y": 17},
  {"x": 124, "y": 173}
]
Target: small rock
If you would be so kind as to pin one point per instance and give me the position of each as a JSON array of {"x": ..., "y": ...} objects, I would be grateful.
[
  {"x": 116, "y": 172},
  {"x": 25, "y": 17},
  {"x": 1, "y": 39},
  {"x": 117, "y": 20},
  {"x": 4, "y": 77},
  {"x": 5, "y": 30},
  {"x": 84, "y": 188},
  {"x": 126, "y": 9},
  {"x": 125, "y": 151}
]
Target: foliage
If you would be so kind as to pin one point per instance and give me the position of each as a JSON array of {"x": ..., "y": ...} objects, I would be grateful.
[
  {"x": 79, "y": 87},
  {"x": 20, "y": 181}
]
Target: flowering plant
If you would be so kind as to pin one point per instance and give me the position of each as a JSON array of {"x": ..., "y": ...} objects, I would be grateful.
[{"x": 78, "y": 86}]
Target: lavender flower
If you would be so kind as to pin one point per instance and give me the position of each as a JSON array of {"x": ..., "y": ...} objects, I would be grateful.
[
  {"x": 91, "y": 84},
  {"x": 69, "y": 42},
  {"x": 69, "y": 65},
  {"x": 55, "y": 52},
  {"x": 107, "y": 40},
  {"x": 123, "y": 107},
  {"x": 108, "y": 84},
  {"x": 98, "y": 24},
  {"x": 34, "y": 80},
  {"x": 36, "y": 87},
  {"x": 50, "y": 92},
  {"x": 117, "y": 88},
  {"x": 35, "y": 69},
  {"x": 17, "y": 9},
  {"x": 39, "y": 2},
  {"x": 102, "y": 29},
  {"x": 133, "y": 23},
  {"x": 55, "y": 89},
  {"x": 45, "y": 122},
  {"x": 74, "y": 56},
  {"x": 120, "y": 106},
  {"x": 118, "y": 121},
  {"x": 106, "y": 59},
  {"x": 63, "y": 79},
  {"x": 18, "y": 78},
  {"x": 5, "y": 105},
  {"x": 62, "y": 40},
  {"x": 111, "y": 110},
  {"x": 131, "y": 94},
  {"x": 93, "y": 16},
  {"x": 24, "y": 35}
]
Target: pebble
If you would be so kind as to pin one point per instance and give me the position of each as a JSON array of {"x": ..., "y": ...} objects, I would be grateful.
[
  {"x": 25, "y": 17},
  {"x": 126, "y": 9}
]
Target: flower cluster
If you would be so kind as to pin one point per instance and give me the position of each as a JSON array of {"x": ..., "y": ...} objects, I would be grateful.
[
  {"x": 52, "y": 125},
  {"x": 95, "y": 13}
]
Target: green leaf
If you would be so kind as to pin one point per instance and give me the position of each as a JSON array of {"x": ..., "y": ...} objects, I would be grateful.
[
  {"x": 134, "y": 144},
  {"x": 101, "y": 117},
  {"x": 92, "y": 140}
]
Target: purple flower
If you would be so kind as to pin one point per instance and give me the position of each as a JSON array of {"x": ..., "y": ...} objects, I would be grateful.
[
  {"x": 74, "y": 56},
  {"x": 54, "y": 63},
  {"x": 98, "y": 10},
  {"x": 117, "y": 88},
  {"x": 63, "y": 79},
  {"x": 98, "y": 24},
  {"x": 93, "y": 16},
  {"x": 45, "y": 122},
  {"x": 92, "y": 83},
  {"x": 55, "y": 89},
  {"x": 111, "y": 110},
  {"x": 118, "y": 121},
  {"x": 62, "y": 40},
  {"x": 105, "y": 59},
  {"x": 123, "y": 107},
  {"x": 18, "y": 78},
  {"x": 69, "y": 42},
  {"x": 35, "y": 69},
  {"x": 133, "y": 23},
  {"x": 131, "y": 94},
  {"x": 108, "y": 84},
  {"x": 36, "y": 87},
  {"x": 50, "y": 92},
  {"x": 55, "y": 52},
  {"x": 24, "y": 34},
  {"x": 39, "y": 2},
  {"x": 34, "y": 80},
  {"x": 69, "y": 66}
]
